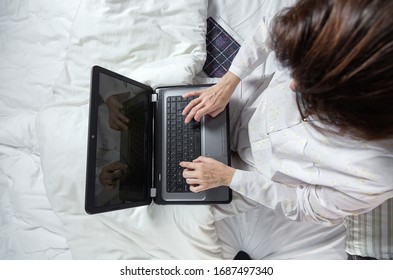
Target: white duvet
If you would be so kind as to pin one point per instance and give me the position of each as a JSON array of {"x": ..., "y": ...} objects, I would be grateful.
[
  {"x": 44, "y": 123},
  {"x": 33, "y": 41}
]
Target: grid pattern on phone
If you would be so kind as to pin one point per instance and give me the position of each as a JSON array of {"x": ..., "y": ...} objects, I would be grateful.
[{"x": 221, "y": 48}]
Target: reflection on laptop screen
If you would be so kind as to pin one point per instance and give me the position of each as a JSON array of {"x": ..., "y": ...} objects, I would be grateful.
[{"x": 122, "y": 157}]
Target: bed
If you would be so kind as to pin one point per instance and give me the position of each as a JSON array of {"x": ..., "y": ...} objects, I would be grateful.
[{"x": 46, "y": 53}]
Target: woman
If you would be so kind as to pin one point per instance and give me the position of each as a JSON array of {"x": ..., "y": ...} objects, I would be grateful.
[{"x": 325, "y": 150}]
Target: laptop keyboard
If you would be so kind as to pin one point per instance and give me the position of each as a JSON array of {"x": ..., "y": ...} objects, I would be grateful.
[{"x": 183, "y": 143}]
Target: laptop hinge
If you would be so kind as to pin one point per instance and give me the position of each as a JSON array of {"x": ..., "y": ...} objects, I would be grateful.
[
  {"x": 154, "y": 97},
  {"x": 153, "y": 192}
]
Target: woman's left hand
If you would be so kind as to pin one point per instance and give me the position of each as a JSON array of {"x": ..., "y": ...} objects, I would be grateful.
[{"x": 206, "y": 173}]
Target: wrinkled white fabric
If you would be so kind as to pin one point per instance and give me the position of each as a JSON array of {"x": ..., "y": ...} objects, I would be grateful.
[{"x": 34, "y": 37}]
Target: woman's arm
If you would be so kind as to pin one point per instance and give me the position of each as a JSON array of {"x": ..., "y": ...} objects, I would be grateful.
[
  {"x": 303, "y": 202},
  {"x": 213, "y": 100}
]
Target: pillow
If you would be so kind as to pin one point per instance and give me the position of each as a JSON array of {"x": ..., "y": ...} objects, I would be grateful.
[{"x": 155, "y": 42}]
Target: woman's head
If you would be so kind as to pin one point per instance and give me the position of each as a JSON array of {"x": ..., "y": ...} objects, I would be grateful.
[{"x": 340, "y": 53}]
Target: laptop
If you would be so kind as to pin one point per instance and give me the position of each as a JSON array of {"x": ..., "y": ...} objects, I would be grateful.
[{"x": 137, "y": 138}]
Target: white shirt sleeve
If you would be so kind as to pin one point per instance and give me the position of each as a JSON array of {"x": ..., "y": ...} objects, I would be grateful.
[
  {"x": 253, "y": 52},
  {"x": 309, "y": 203}
]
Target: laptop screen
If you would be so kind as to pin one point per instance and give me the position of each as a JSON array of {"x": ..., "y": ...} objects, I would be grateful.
[{"x": 121, "y": 176}]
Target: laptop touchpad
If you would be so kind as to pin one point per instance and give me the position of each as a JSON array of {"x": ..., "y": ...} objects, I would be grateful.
[{"x": 214, "y": 138}]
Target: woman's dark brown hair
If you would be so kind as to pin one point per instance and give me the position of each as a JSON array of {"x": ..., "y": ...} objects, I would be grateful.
[{"x": 340, "y": 53}]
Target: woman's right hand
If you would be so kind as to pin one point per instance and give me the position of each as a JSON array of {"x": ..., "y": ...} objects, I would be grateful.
[{"x": 212, "y": 100}]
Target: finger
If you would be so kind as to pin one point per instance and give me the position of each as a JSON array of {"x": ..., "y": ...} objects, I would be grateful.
[
  {"x": 190, "y": 105},
  {"x": 198, "y": 115},
  {"x": 192, "y": 93},
  {"x": 197, "y": 189},
  {"x": 188, "y": 165},
  {"x": 193, "y": 182},
  {"x": 123, "y": 166},
  {"x": 108, "y": 182},
  {"x": 123, "y": 118},
  {"x": 191, "y": 115},
  {"x": 196, "y": 160},
  {"x": 201, "y": 159},
  {"x": 189, "y": 118},
  {"x": 119, "y": 123},
  {"x": 116, "y": 173},
  {"x": 189, "y": 174},
  {"x": 117, "y": 165}
]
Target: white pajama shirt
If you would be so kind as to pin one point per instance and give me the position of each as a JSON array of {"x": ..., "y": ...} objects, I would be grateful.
[{"x": 295, "y": 169}]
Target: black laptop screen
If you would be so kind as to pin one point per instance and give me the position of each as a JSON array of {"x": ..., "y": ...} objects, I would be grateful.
[{"x": 122, "y": 154}]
